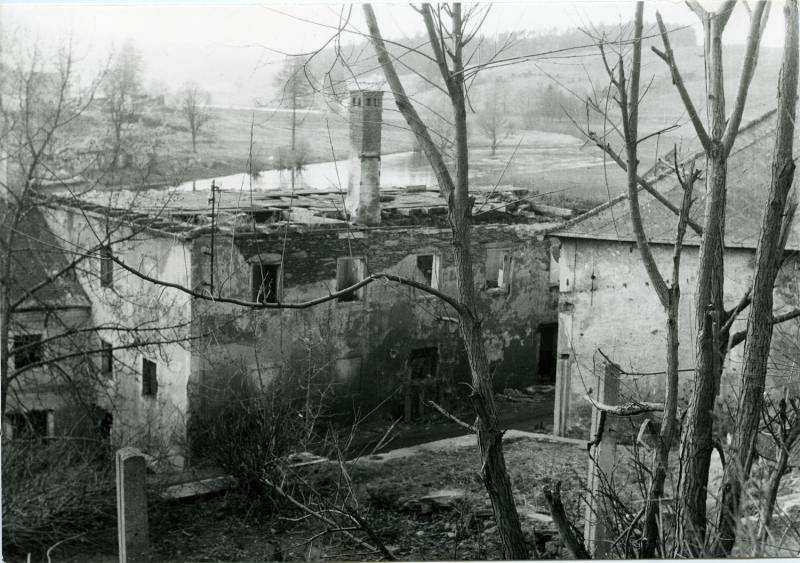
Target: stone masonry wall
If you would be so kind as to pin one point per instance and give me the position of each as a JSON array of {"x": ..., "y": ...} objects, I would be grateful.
[{"x": 361, "y": 347}]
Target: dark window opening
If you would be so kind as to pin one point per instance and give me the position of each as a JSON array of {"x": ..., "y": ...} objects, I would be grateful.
[
  {"x": 106, "y": 359},
  {"x": 265, "y": 282},
  {"x": 29, "y": 425},
  {"x": 149, "y": 378},
  {"x": 548, "y": 353},
  {"x": 349, "y": 271},
  {"x": 104, "y": 425},
  {"x": 425, "y": 264},
  {"x": 423, "y": 362},
  {"x": 27, "y": 349},
  {"x": 106, "y": 267}
]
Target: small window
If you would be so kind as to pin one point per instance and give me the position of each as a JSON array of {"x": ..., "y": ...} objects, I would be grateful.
[
  {"x": 349, "y": 271},
  {"x": 428, "y": 270},
  {"x": 498, "y": 269},
  {"x": 266, "y": 282},
  {"x": 368, "y": 102},
  {"x": 30, "y": 425},
  {"x": 27, "y": 350},
  {"x": 106, "y": 267},
  {"x": 149, "y": 378},
  {"x": 106, "y": 359},
  {"x": 423, "y": 363}
]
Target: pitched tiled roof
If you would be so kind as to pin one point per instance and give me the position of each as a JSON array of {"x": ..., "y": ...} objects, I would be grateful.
[
  {"x": 35, "y": 254},
  {"x": 749, "y": 175}
]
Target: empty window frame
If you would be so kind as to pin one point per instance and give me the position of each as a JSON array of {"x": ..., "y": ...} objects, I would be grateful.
[
  {"x": 428, "y": 269},
  {"x": 266, "y": 282},
  {"x": 423, "y": 363},
  {"x": 27, "y": 350},
  {"x": 30, "y": 425},
  {"x": 498, "y": 268},
  {"x": 106, "y": 267},
  {"x": 106, "y": 359},
  {"x": 149, "y": 378},
  {"x": 350, "y": 271}
]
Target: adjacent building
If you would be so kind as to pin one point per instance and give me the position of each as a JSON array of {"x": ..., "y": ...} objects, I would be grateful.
[{"x": 606, "y": 302}]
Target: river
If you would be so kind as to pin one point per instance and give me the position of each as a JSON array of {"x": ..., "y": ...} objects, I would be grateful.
[{"x": 544, "y": 161}]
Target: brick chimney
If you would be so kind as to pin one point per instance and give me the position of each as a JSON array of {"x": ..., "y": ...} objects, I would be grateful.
[{"x": 364, "y": 180}]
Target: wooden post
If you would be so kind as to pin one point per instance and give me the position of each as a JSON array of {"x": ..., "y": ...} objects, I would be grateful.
[
  {"x": 601, "y": 466},
  {"x": 132, "y": 526},
  {"x": 563, "y": 395}
]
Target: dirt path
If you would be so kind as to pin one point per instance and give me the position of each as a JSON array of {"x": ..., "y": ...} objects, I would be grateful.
[{"x": 528, "y": 417}]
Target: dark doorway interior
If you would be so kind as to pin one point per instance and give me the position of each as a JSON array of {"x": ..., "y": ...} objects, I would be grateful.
[
  {"x": 548, "y": 348},
  {"x": 422, "y": 362},
  {"x": 422, "y": 384}
]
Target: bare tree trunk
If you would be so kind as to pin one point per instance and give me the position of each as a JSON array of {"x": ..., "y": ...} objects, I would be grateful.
[
  {"x": 5, "y": 349},
  {"x": 760, "y": 319},
  {"x": 696, "y": 442},
  {"x": 771, "y": 495},
  {"x": 493, "y": 471}
]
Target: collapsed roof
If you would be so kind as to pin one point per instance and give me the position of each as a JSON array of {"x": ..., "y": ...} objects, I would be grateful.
[{"x": 189, "y": 213}]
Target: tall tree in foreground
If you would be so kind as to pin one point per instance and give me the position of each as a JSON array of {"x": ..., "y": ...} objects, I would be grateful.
[
  {"x": 669, "y": 294},
  {"x": 448, "y": 36},
  {"x": 769, "y": 253},
  {"x": 691, "y": 537},
  {"x": 717, "y": 139}
]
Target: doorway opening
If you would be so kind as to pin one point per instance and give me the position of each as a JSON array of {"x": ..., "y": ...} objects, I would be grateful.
[{"x": 548, "y": 354}]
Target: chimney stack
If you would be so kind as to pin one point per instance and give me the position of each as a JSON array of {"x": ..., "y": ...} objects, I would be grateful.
[{"x": 364, "y": 181}]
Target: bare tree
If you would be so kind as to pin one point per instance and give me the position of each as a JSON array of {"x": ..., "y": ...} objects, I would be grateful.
[
  {"x": 38, "y": 273},
  {"x": 769, "y": 257},
  {"x": 493, "y": 120},
  {"x": 122, "y": 87},
  {"x": 296, "y": 91},
  {"x": 712, "y": 318},
  {"x": 194, "y": 102},
  {"x": 449, "y": 34},
  {"x": 714, "y": 338}
]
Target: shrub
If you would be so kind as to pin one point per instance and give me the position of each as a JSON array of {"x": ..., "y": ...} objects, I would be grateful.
[
  {"x": 250, "y": 434},
  {"x": 55, "y": 490}
]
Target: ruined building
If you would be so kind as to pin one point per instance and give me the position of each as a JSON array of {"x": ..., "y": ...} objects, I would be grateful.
[
  {"x": 385, "y": 345},
  {"x": 606, "y": 301}
]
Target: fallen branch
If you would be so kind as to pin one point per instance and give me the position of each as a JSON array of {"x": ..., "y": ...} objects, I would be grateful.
[
  {"x": 283, "y": 494},
  {"x": 565, "y": 528},
  {"x": 452, "y": 417},
  {"x": 628, "y": 409}
]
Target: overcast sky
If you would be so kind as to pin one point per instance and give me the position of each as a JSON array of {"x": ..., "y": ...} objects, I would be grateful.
[
  {"x": 183, "y": 39},
  {"x": 241, "y": 23}
]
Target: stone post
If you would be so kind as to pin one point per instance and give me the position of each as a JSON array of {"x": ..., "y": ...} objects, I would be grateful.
[
  {"x": 601, "y": 466},
  {"x": 132, "y": 527}
]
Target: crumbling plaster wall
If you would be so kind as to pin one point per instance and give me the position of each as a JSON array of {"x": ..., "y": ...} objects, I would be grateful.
[
  {"x": 52, "y": 387},
  {"x": 152, "y": 422},
  {"x": 606, "y": 302},
  {"x": 361, "y": 347}
]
